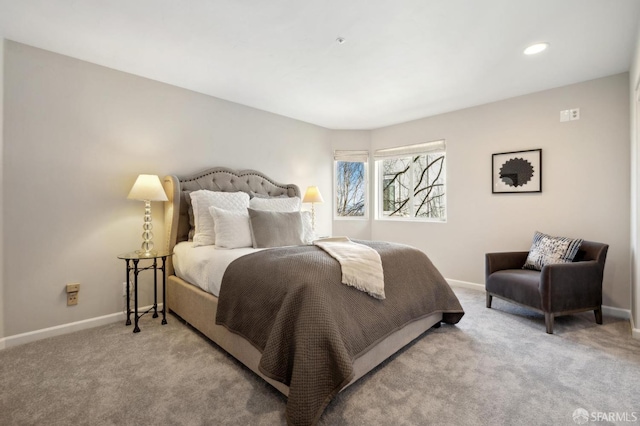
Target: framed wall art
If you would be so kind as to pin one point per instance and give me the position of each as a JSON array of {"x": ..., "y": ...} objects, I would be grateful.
[{"x": 517, "y": 172}]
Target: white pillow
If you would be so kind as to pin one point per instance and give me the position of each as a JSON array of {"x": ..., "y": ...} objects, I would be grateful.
[
  {"x": 201, "y": 200},
  {"x": 290, "y": 204},
  {"x": 232, "y": 228}
]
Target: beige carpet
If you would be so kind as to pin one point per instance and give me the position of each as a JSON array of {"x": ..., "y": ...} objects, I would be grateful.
[{"x": 496, "y": 367}]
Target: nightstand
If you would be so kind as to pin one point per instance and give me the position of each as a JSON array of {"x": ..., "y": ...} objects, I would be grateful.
[{"x": 133, "y": 259}]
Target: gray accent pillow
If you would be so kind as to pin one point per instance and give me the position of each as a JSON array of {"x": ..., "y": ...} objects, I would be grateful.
[
  {"x": 275, "y": 229},
  {"x": 546, "y": 250}
]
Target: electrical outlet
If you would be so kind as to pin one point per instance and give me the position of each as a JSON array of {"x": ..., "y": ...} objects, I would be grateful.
[
  {"x": 124, "y": 289},
  {"x": 575, "y": 114},
  {"x": 72, "y": 293},
  {"x": 570, "y": 114},
  {"x": 72, "y": 298}
]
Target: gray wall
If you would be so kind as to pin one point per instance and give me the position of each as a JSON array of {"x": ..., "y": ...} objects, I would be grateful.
[
  {"x": 76, "y": 136},
  {"x": 2, "y": 334},
  {"x": 585, "y": 179},
  {"x": 586, "y": 184},
  {"x": 634, "y": 98}
]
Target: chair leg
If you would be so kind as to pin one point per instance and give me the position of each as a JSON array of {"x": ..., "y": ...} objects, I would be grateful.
[
  {"x": 489, "y": 299},
  {"x": 598, "y": 313},
  {"x": 548, "y": 320}
]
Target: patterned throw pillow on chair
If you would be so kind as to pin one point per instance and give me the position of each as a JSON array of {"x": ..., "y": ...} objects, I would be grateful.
[{"x": 546, "y": 250}]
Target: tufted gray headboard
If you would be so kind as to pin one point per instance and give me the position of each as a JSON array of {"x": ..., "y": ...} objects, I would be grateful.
[{"x": 222, "y": 179}]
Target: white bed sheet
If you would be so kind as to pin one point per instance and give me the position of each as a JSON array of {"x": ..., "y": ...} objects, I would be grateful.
[{"x": 204, "y": 266}]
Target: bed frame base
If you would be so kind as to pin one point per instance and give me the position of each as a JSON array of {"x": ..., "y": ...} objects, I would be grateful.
[{"x": 198, "y": 308}]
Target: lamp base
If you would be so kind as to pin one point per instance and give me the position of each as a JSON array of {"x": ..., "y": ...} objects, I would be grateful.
[
  {"x": 146, "y": 250},
  {"x": 144, "y": 253}
]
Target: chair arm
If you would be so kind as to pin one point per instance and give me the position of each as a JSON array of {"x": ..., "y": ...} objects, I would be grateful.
[
  {"x": 505, "y": 260},
  {"x": 568, "y": 286}
]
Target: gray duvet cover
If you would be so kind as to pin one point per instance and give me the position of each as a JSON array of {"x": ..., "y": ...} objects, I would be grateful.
[{"x": 290, "y": 304}]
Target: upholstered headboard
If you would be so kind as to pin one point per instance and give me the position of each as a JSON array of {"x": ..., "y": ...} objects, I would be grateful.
[{"x": 177, "y": 222}]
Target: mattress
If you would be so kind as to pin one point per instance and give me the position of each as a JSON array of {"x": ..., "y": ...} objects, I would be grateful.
[{"x": 204, "y": 266}]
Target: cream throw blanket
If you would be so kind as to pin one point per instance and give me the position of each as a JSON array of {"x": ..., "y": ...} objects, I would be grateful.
[{"x": 361, "y": 265}]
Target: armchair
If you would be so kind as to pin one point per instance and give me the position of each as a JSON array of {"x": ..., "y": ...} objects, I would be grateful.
[{"x": 558, "y": 289}]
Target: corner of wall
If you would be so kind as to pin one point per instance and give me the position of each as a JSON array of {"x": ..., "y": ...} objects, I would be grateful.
[
  {"x": 635, "y": 332},
  {"x": 2, "y": 42},
  {"x": 634, "y": 78}
]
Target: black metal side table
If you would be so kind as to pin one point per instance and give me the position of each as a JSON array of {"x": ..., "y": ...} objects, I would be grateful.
[{"x": 132, "y": 260}]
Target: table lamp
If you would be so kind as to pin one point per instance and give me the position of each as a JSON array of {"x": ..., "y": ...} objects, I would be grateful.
[
  {"x": 312, "y": 195},
  {"x": 147, "y": 188}
]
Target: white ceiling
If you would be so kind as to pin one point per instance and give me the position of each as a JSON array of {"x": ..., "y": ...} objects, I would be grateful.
[{"x": 402, "y": 59}]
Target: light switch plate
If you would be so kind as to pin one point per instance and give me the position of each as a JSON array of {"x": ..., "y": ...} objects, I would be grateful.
[{"x": 73, "y": 287}]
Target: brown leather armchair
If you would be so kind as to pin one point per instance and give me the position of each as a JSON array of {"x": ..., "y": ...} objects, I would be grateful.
[{"x": 557, "y": 289}]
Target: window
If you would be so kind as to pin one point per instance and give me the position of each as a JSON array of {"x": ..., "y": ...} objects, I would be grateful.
[
  {"x": 411, "y": 182},
  {"x": 351, "y": 184}
]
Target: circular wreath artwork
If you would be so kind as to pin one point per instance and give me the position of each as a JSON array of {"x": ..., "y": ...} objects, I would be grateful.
[{"x": 516, "y": 172}]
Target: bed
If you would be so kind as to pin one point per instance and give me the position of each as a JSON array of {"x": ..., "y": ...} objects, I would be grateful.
[{"x": 200, "y": 308}]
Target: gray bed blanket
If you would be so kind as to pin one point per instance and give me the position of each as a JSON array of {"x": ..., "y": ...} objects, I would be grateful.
[{"x": 290, "y": 304}]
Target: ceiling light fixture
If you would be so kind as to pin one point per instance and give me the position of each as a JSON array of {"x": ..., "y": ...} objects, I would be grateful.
[
  {"x": 340, "y": 40},
  {"x": 536, "y": 48}
]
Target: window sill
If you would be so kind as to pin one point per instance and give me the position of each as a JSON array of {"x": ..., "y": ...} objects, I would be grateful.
[{"x": 409, "y": 219}]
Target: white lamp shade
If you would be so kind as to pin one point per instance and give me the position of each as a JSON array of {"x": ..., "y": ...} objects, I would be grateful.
[
  {"x": 147, "y": 188},
  {"x": 312, "y": 195}
]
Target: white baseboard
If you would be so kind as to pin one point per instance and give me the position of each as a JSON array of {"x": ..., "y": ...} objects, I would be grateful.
[
  {"x": 58, "y": 330},
  {"x": 465, "y": 284},
  {"x": 635, "y": 332},
  {"x": 606, "y": 310},
  {"x": 616, "y": 312},
  {"x": 32, "y": 336}
]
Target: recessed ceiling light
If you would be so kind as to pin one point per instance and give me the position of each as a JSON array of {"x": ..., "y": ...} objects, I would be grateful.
[{"x": 536, "y": 48}]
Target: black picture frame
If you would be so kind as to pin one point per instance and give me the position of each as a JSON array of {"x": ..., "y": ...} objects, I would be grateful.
[{"x": 516, "y": 172}]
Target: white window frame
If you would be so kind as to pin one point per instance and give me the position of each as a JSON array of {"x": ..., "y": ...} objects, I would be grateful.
[
  {"x": 407, "y": 151},
  {"x": 355, "y": 156}
]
